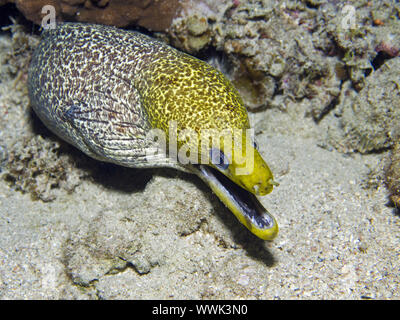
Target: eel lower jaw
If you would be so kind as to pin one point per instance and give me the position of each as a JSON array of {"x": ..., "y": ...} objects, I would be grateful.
[{"x": 243, "y": 204}]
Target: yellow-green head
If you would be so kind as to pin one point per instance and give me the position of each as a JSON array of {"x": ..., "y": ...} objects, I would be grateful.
[{"x": 206, "y": 111}]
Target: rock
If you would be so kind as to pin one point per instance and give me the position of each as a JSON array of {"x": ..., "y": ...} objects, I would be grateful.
[
  {"x": 370, "y": 118},
  {"x": 393, "y": 175},
  {"x": 153, "y": 15}
]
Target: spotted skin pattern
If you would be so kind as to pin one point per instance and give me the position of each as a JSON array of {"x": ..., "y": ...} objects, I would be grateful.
[{"x": 104, "y": 89}]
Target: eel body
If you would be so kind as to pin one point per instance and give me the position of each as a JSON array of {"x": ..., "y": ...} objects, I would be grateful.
[{"x": 103, "y": 90}]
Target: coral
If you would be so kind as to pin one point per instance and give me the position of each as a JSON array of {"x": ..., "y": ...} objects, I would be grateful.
[
  {"x": 370, "y": 119},
  {"x": 37, "y": 167},
  {"x": 153, "y": 15},
  {"x": 15, "y": 57},
  {"x": 192, "y": 34},
  {"x": 259, "y": 41},
  {"x": 293, "y": 50},
  {"x": 355, "y": 35}
]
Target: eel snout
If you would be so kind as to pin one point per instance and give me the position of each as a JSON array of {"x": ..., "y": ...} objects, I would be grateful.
[{"x": 244, "y": 205}]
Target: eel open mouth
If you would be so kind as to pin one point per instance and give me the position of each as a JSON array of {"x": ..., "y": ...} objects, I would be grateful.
[{"x": 243, "y": 204}]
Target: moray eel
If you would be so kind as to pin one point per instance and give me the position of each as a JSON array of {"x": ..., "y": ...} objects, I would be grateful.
[{"x": 103, "y": 90}]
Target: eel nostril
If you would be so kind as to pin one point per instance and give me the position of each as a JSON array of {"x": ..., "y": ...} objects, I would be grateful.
[{"x": 273, "y": 182}]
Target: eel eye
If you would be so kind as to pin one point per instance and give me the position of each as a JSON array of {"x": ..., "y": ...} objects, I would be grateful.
[
  {"x": 219, "y": 159},
  {"x": 255, "y": 145}
]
